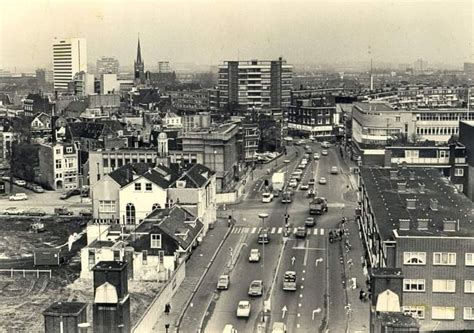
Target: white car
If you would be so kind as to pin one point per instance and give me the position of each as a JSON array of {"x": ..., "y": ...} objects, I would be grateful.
[
  {"x": 324, "y": 152},
  {"x": 267, "y": 197},
  {"x": 13, "y": 211},
  {"x": 18, "y": 197},
  {"x": 254, "y": 255},
  {"x": 223, "y": 282},
  {"x": 243, "y": 309},
  {"x": 304, "y": 187},
  {"x": 293, "y": 183},
  {"x": 316, "y": 156},
  {"x": 325, "y": 144},
  {"x": 297, "y": 172},
  {"x": 323, "y": 180},
  {"x": 334, "y": 170},
  {"x": 19, "y": 182}
]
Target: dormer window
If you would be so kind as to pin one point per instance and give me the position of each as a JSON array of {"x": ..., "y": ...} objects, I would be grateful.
[
  {"x": 155, "y": 241},
  {"x": 69, "y": 150}
]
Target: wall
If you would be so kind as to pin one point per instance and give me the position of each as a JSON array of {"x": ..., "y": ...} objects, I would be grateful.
[
  {"x": 46, "y": 166},
  {"x": 222, "y": 198},
  {"x": 150, "y": 317},
  {"x": 105, "y": 189}
]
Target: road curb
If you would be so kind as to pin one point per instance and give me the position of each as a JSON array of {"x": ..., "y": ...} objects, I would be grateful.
[{"x": 186, "y": 305}]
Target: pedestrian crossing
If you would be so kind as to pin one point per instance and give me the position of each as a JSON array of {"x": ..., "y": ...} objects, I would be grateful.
[{"x": 275, "y": 230}]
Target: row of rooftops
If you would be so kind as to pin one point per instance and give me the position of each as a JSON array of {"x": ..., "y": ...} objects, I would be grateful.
[
  {"x": 416, "y": 202},
  {"x": 386, "y": 107}
]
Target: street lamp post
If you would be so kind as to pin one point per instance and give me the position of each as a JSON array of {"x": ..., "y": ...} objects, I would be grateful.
[{"x": 263, "y": 216}]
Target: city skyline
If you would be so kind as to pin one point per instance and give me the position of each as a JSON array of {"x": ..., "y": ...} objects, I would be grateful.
[{"x": 301, "y": 32}]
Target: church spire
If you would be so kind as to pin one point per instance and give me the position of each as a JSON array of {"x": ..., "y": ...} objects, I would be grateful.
[
  {"x": 139, "y": 65},
  {"x": 139, "y": 51}
]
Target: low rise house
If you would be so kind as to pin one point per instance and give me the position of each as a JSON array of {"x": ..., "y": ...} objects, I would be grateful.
[
  {"x": 93, "y": 135},
  {"x": 153, "y": 249},
  {"x": 41, "y": 123}
]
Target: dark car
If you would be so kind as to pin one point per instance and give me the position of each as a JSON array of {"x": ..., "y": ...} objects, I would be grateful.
[
  {"x": 85, "y": 212},
  {"x": 70, "y": 193},
  {"x": 300, "y": 232}
]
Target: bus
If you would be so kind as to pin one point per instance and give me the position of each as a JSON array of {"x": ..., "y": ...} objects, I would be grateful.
[{"x": 289, "y": 281}]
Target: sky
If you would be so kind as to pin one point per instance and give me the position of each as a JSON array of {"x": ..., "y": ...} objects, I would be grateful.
[{"x": 208, "y": 32}]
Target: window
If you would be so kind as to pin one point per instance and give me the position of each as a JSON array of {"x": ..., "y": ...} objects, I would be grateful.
[
  {"x": 161, "y": 257},
  {"x": 148, "y": 187},
  {"x": 155, "y": 241},
  {"x": 443, "y": 312},
  {"x": 469, "y": 259},
  {"x": 459, "y": 172},
  {"x": 469, "y": 286},
  {"x": 107, "y": 206},
  {"x": 116, "y": 255},
  {"x": 414, "y": 311},
  {"x": 468, "y": 313},
  {"x": 69, "y": 150},
  {"x": 444, "y": 258},
  {"x": 58, "y": 150},
  {"x": 130, "y": 214},
  {"x": 413, "y": 285},
  {"x": 58, "y": 164},
  {"x": 444, "y": 286},
  {"x": 414, "y": 258},
  {"x": 138, "y": 186},
  {"x": 144, "y": 257}
]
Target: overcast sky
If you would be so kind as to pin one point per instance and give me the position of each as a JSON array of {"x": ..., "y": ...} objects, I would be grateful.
[{"x": 210, "y": 31}]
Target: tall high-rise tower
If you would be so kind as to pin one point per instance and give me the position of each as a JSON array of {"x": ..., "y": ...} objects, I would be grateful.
[
  {"x": 69, "y": 58},
  {"x": 139, "y": 66}
]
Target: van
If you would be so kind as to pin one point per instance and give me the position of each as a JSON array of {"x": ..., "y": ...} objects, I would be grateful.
[{"x": 229, "y": 329}]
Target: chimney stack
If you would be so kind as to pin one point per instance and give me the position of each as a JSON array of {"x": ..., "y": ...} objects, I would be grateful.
[
  {"x": 422, "y": 187},
  {"x": 402, "y": 186},
  {"x": 411, "y": 203},
  {"x": 404, "y": 224},
  {"x": 393, "y": 174},
  {"x": 449, "y": 225},
  {"x": 434, "y": 204},
  {"x": 423, "y": 224}
]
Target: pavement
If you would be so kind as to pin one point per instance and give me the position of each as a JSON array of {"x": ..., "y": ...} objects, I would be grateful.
[{"x": 195, "y": 268}]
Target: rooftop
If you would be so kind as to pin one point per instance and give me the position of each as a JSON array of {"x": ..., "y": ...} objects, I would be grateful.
[
  {"x": 109, "y": 265},
  {"x": 433, "y": 201},
  {"x": 373, "y": 106},
  {"x": 197, "y": 176},
  {"x": 65, "y": 308},
  {"x": 398, "y": 320}
]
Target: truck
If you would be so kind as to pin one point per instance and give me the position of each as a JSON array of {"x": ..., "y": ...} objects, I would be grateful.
[
  {"x": 318, "y": 206},
  {"x": 278, "y": 181}
]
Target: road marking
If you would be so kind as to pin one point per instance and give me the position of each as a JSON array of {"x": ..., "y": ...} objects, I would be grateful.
[
  {"x": 336, "y": 205},
  {"x": 236, "y": 230},
  {"x": 305, "y": 259},
  {"x": 298, "y": 325},
  {"x": 273, "y": 230},
  {"x": 301, "y": 295},
  {"x": 302, "y": 287},
  {"x": 280, "y": 230},
  {"x": 322, "y": 232},
  {"x": 300, "y": 305},
  {"x": 299, "y": 315},
  {"x": 308, "y": 248},
  {"x": 245, "y": 230},
  {"x": 304, "y": 271},
  {"x": 302, "y": 279},
  {"x": 254, "y": 229},
  {"x": 315, "y": 231}
]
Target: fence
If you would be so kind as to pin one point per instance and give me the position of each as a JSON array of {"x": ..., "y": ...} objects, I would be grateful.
[
  {"x": 24, "y": 271},
  {"x": 156, "y": 308}
]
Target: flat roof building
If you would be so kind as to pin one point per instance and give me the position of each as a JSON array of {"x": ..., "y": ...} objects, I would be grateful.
[{"x": 69, "y": 58}]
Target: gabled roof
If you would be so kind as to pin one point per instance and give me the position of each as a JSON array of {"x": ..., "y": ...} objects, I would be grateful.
[
  {"x": 195, "y": 177},
  {"x": 124, "y": 174},
  {"x": 43, "y": 117},
  {"x": 155, "y": 177},
  {"x": 89, "y": 130},
  {"x": 76, "y": 107}
]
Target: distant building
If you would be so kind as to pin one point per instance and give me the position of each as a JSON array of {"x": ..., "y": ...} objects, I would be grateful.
[
  {"x": 172, "y": 120},
  {"x": 37, "y": 103},
  {"x": 164, "y": 67},
  {"x": 466, "y": 138},
  {"x": 69, "y": 58},
  {"x": 255, "y": 84},
  {"x": 107, "y": 65},
  {"x": 83, "y": 84},
  {"x": 109, "y": 84},
  {"x": 415, "y": 220},
  {"x": 190, "y": 100},
  {"x": 139, "y": 66},
  {"x": 469, "y": 68},
  {"x": 196, "y": 120}
]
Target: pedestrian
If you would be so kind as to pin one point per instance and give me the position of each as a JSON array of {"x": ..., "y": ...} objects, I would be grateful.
[
  {"x": 361, "y": 294},
  {"x": 167, "y": 308}
]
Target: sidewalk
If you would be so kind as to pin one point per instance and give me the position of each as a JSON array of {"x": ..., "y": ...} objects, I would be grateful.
[{"x": 195, "y": 268}]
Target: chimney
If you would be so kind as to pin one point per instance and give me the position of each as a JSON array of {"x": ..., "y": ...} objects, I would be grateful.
[
  {"x": 423, "y": 224},
  {"x": 434, "y": 204},
  {"x": 404, "y": 224},
  {"x": 411, "y": 203},
  {"x": 412, "y": 175},
  {"x": 393, "y": 174},
  {"x": 402, "y": 186},
  {"x": 422, "y": 187},
  {"x": 449, "y": 225}
]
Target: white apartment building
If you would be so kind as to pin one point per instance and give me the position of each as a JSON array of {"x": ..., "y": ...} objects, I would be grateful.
[
  {"x": 69, "y": 58},
  {"x": 255, "y": 84}
]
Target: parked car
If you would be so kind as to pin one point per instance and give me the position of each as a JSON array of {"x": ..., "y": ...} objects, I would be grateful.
[
  {"x": 6, "y": 178},
  {"x": 85, "y": 212},
  {"x": 322, "y": 180},
  {"x": 324, "y": 152},
  {"x": 13, "y": 211},
  {"x": 300, "y": 232},
  {"x": 70, "y": 193},
  {"x": 62, "y": 211},
  {"x": 334, "y": 170},
  {"x": 19, "y": 182},
  {"x": 18, "y": 197},
  {"x": 256, "y": 288},
  {"x": 223, "y": 282},
  {"x": 243, "y": 309},
  {"x": 267, "y": 197},
  {"x": 254, "y": 255},
  {"x": 310, "y": 222},
  {"x": 38, "y": 189},
  {"x": 35, "y": 212},
  {"x": 304, "y": 187}
]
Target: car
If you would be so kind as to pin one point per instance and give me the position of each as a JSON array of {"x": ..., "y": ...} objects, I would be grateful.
[
  {"x": 19, "y": 182},
  {"x": 38, "y": 189},
  {"x": 316, "y": 156},
  {"x": 243, "y": 309},
  {"x": 304, "y": 187},
  {"x": 85, "y": 191},
  {"x": 70, "y": 193},
  {"x": 6, "y": 178},
  {"x": 276, "y": 194},
  {"x": 229, "y": 328},
  {"x": 256, "y": 288},
  {"x": 310, "y": 192},
  {"x": 279, "y": 327},
  {"x": 311, "y": 182},
  {"x": 324, "y": 153},
  {"x": 18, "y": 197},
  {"x": 310, "y": 222},
  {"x": 325, "y": 144},
  {"x": 223, "y": 282},
  {"x": 254, "y": 255},
  {"x": 35, "y": 212},
  {"x": 263, "y": 236},
  {"x": 267, "y": 197},
  {"x": 334, "y": 170},
  {"x": 293, "y": 183},
  {"x": 13, "y": 211},
  {"x": 297, "y": 172},
  {"x": 85, "y": 212},
  {"x": 62, "y": 211},
  {"x": 300, "y": 232},
  {"x": 322, "y": 181},
  {"x": 301, "y": 166}
]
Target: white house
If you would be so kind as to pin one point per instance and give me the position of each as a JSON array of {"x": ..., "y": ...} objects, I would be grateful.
[{"x": 172, "y": 120}]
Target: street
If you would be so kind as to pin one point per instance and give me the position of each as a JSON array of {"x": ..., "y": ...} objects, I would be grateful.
[{"x": 303, "y": 310}]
